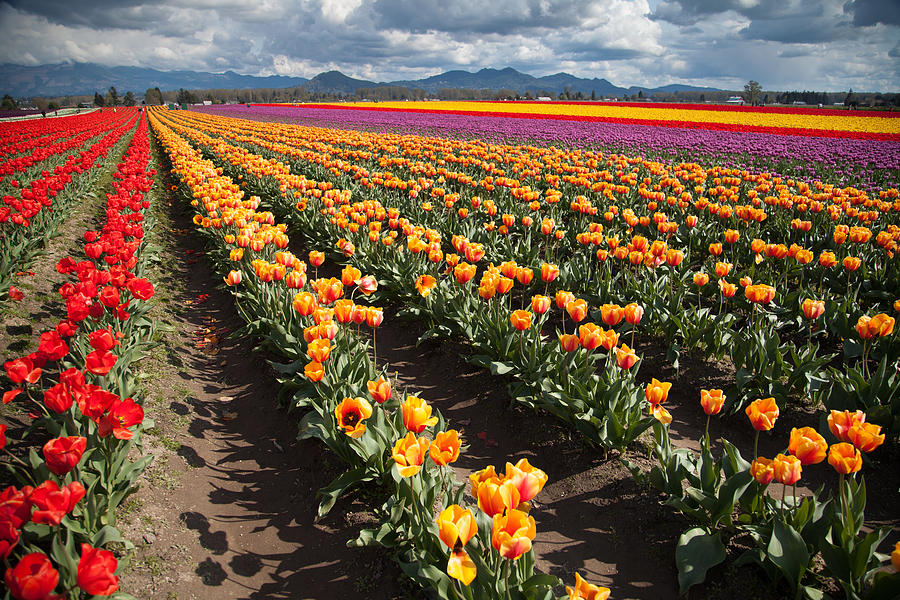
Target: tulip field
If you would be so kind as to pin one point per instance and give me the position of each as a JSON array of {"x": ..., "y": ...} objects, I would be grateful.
[{"x": 561, "y": 247}]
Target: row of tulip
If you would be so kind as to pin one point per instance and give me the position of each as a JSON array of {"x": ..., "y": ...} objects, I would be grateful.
[
  {"x": 30, "y": 217},
  {"x": 350, "y": 406},
  {"x": 860, "y": 163},
  {"x": 830, "y": 124},
  {"x": 758, "y": 353},
  {"x": 490, "y": 333},
  {"x": 82, "y": 393}
]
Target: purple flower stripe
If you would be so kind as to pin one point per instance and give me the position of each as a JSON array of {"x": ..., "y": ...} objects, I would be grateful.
[{"x": 868, "y": 164}]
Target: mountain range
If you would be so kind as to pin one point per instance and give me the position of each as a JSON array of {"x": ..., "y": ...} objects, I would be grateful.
[{"x": 86, "y": 78}]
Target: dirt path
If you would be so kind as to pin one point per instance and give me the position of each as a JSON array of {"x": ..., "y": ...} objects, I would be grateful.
[{"x": 227, "y": 508}]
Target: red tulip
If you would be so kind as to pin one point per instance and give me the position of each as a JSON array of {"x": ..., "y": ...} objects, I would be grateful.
[
  {"x": 33, "y": 578},
  {"x": 96, "y": 571}
]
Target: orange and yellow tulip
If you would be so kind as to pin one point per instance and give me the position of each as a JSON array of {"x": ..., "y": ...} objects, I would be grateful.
[
  {"x": 657, "y": 391},
  {"x": 841, "y": 421},
  {"x": 409, "y": 453},
  {"x": 445, "y": 447},
  {"x": 540, "y": 304},
  {"x": 762, "y": 413},
  {"x": 528, "y": 480},
  {"x": 495, "y": 496},
  {"x": 845, "y": 458},
  {"x": 625, "y": 357},
  {"x": 380, "y": 390},
  {"x": 762, "y": 470},
  {"x": 712, "y": 401},
  {"x": 759, "y": 293},
  {"x": 568, "y": 342},
  {"x": 351, "y": 413},
  {"x": 314, "y": 371},
  {"x": 612, "y": 314},
  {"x": 304, "y": 303},
  {"x": 865, "y": 436},
  {"x": 417, "y": 414},
  {"x": 512, "y": 533},
  {"x": 424, "y": 285},
  {"x": 319, "y": 350},
  {"x": 813, "y": 309},
  {"x": 577, "y": 309},
  {"x": 807, "y": 445},
  {"x": 586, "y": 591},
  {"x": 521, "y": 319},
  {"x": 633, "y": 313},
  {"x": 787, "y": 469}
]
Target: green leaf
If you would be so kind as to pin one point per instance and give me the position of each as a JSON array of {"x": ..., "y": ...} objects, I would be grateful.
[
  {"x": 788, "y": 552},
  {"x": 697, "y": 552}
]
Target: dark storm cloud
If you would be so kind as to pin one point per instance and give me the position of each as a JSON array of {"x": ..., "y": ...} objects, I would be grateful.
[
  {"x": 103, "y": 14},
  {"x": 798, "y": 30},
  {"x": 505, "y": 17},
  {"x": 871, "y": 12}
]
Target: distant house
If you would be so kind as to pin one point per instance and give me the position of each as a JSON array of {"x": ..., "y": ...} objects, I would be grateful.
[
  {"x": 735, "y": 100},
  {"x": 207, "y": 103},
  {"x": 544, "y": 98}
]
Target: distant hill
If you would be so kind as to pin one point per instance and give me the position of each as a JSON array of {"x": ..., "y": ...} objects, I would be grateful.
[{"x": 86, "y": 78}]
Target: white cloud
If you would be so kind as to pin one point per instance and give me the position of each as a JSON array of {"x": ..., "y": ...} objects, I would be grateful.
[{"x": 784, "y": 44}]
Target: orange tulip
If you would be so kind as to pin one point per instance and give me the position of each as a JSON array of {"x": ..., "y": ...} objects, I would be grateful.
[
  {"x": 762, "y": 413},
  {"x": 329, "y": 290},
  {"x": 314, "y": 371},
  {"x": 813, "y": 309},
  {"x": 844, "y": 458},
  {"x": 461, "y": 567},
  {"x": 660, "y": 414},
  {"x": 612, "y": 314},
  {"x": 409, "y": 454},
  {"x": 424, "y": 285},
  {"x": 351, "y": 413},
  {"x": 625, "y": 357},
  {"x": 657, "y": 391},
  {"x": 762, "y": 470},
  {"x": 728, "y": 289},
  {"x": 504, "y": 284},
  {"x": 807, "y": 445},
  {"x": 759, "y": 293},
  {"x": 524, "y": 275},
  {"x": 590, "y": 336},
  {"x": 851, "y": 263},
  {"x": 633, "y": 313},
  {"x": 540, "y": 304},
  {"x": 895, "y": 557},
  {"x": 464, "y": 272},
  {"x": 316, "y": 258},
  {"x": 577, "y": 309},
  {"x": 827, "y": 259},
  {"x": 349, "y": 275},
  {"x": 526, "y": 478},
  {"x": 549, "y": 272},
  {"x": 865, "y": 436},
  {"x": 569, "y": 342},
  {"x": 787, "y": 469},
  {"x": 380, "y": 390},
  {"x": 520, "y": 319},
  {"x": 496, "y": 496},
  {"x": 674, "y": 257},
  {"x": 374, "y": 316},
  {"x": 586, "y": 591},
  {"x": 712, "y": 401},
  {"x": 840, "y": 423},
  {"x": 367, "y": 285},
  {"x": 305, "y": 303},
  {"x": 722, "y": 269},
  {"x": 881, "y": 325},
  {"x": 417, "y": 414},
  {"x": 701, "y": 279},
  {"x": 456, "y": 526},
  {"x": 563, "y": 298},
  {"x": 478, "y": 477},
  {"x": 610, "y": 339},
  {"x": 445, "y": 447},
  {"x": 233, "y": 278},
  {"x": 319, "y": 350},
  {"x": 512, "y": 533}
]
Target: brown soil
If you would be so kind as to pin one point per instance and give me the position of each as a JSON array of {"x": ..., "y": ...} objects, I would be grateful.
[{"x": 227, "y": 509}]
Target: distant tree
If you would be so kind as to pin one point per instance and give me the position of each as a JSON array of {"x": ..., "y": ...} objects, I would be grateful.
[
  {"x": 99, "y": 100},
  {"x": 752, "y": 90},
  {"x": 52, "y": 105},
  {"x": 153, "y": 96},
  {"x": 42, "y": 104},
  {"x": 593, "y": 94},
  {"x": 702, "y": 97},
  {"x": 765, "y": 99},
  {"x": 129, "y": 100},
  {"x": 850, "y": 99},
  {"x": 640, "y": 94},
  {"x": 113, "y": 95},
  {"x": 8, "y": 103},
  {"x": 186, "y": 97}
]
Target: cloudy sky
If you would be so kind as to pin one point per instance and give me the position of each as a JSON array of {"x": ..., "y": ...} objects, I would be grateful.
[{"x": 783, "y": 44}]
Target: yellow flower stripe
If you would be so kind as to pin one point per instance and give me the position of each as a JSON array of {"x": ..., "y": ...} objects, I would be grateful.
[{"x": 836, "y": 122}]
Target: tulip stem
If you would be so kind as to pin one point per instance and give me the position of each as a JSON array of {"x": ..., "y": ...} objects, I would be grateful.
[
  {"x": 506, "y": 579},
  {"x": 707, "y": 431},
  {"x": 756, "y": 445}
]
